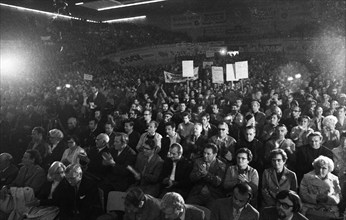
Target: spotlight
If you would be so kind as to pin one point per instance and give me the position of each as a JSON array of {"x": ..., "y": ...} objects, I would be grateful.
[
  {"x": 298, "y": 76},
  {"x": 223, "y": 51},
  {"x": 290, "y": 78},
  {"x": 68, "y": 86}
]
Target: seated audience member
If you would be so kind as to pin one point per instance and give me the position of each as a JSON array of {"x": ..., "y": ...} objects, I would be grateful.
[
  {"x": 209, "y": 129},
  {"x": 293, "y": 118},
  {"x": 225, "y": 143},
  {"x": 185, "y": 128},
  {"x": 38, "y": 143},
  {"x": 277, "y": 178},
  {"x": 207, "y": 176},
  {"x": 133, "y": 135},
  {"x": 80, "y": 198},
  {"x": 279, "y": 141},
  {"x": 167, "y": 116},
  {"x": 173, "y": 207},
  {"x": 30, "y": 174},
  {"x": 151, "y": 134},
  {"x": 95, "y": 165},
  {"x": 331, "y": 136},
  {"x": 305, "y": 155},
  {"x": 72, "y": 154},
  {"x": 299, "y": 134},
  {"x": 142, "y": 124},
  {"x": 287, "y": 207},
  {"x": 49, "y": 197},
  {"x": 57, "y": 147},
  {"x": 72, "y": 127},
  {"x": 148, "y": 168},
  {"x": 320, "y": 190},
  {"x": 172, "y": 137},
  {"x": 236, "y": 207},
  {"x": 8, "y": 171},
  {"x": 254, "y": 145},
  {"x": 141, "y": 206},
  {"x": 340, "y": 160},
  {"x": 269, "y": 128},
  {"x": 242, "y": 173},
  {"x": 120, "y": 156},
  {"x": 194, "y": 143},
  {"x": 175, "y": 172}
]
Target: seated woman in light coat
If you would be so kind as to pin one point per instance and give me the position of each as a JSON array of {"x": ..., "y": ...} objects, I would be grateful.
[
  {"x": 277, "y": 178},
  {"x": 320, "y": 190}
]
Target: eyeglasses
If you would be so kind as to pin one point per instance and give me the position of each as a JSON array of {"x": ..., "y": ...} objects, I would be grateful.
[
  {"x": 222, "y": 129},
  {"x": 284, "y": 205}
]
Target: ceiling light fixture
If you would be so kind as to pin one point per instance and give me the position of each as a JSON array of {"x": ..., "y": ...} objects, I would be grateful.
[
  {"x": 126, "y": 19},
  {"x": 130, "y": 4}
]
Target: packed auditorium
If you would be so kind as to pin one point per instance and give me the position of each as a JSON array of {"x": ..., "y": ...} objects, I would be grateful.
[{"x": 199, "y": 110}]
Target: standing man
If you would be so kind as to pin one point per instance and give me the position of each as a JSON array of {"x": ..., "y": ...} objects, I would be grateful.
[
  {"x": 96, "y": 99},
  {"x": 288, "y": 205},
  {"x": 237, "y": 206}
]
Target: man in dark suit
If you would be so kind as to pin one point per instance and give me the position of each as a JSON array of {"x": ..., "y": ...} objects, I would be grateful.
[
  {"x": 173, "y": 207},
  {"x": 194, "y": 143},
  {"x": 81, "y": 200},
  {"x": 308, "y": 153},
  {"x": 175, "y": 172},
  {"x": 288, "y": 205},
  {"x": 207, "y": 175},
  {"x": 96, "y": 99},
  {"x": 133, "y": 135},
  {"x": 8, "y": 171},
  {"x": 236, "y": 207},
  {"x": 95, "y": 165},
  {"x": 57, "y": 147},
  {"x": 120, "y": 156},
  {"x": 169, "y": 139}
]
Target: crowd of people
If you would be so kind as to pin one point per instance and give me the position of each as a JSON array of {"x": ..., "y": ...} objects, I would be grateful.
[{"x": 262, "y": 148}]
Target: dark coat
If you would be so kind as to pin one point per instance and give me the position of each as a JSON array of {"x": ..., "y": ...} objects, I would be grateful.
[
  {"x": 8, "y": 175},
  {"x": 272, "y": 214}
]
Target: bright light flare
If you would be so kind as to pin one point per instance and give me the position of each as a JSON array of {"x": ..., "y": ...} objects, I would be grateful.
[
  {"x": 298, "y": 76},
  {"x": 10, "y": 64},
  {"x": 290, "y": 78},
  {"x": 223, "y": 51},
  {"x": 129, "y": 19}
]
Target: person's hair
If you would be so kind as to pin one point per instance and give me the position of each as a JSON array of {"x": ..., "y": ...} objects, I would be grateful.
[
  {"x": 6, "y": 157},
  {"x": 186, "y": 114},
  {"x": 278, "y": 151},
  {"x": 123, "y": 137},
  {"x": 149, "y": 111},
  {"x": 245, "y": 151},
  {"x": 341, "y": 107},
  {"x": 104, "y": 137},
  {"x": 74, "y": 168},
  {"x": 292, "y": 196},
  {"x": 134, "y": 197},
  {"x": 243, "y": 189},
  {"x": 212, "y": 146},
  {"x": 178, "y": 146},
  {"x": 206, "y": 115},
  {"x": 74, "y": 138},
  {"x": 299, "y": 109},
  {"x": 250, "y": 128},
  {"x": 330, "y": 119},
  {"x": 198, "y": 124},
  {"x": 130, "y": 122},
  {"x": 56, "y": 133},
  {"x": 34, "y": 154},
  {"x": 109, "y": 123},
  {"x": 151, "y": 143},
  {"x": 173, "y": 200},
  {"x": 170, "y": 123},
  {"x": 54, "y": 168},
  {"x": 322, "y": 160},
  {"x": 39, "y": 130},
  {"x": 315, "y": 134},
  {"x": 300, "y": 119},
  {"x": 273, "y": 114},
  {"x": 223, "y": 123},
  {"x": 155, "y": 123}
]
